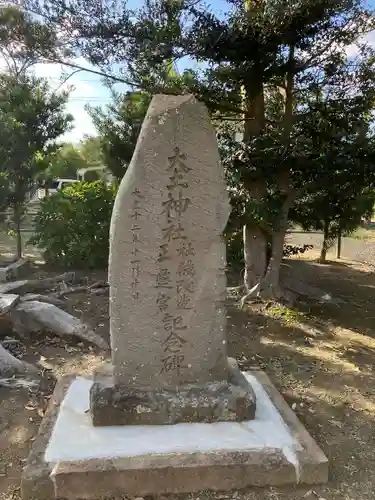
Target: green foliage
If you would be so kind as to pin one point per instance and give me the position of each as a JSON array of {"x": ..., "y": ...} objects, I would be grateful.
[
  {"x": 72, "y": 226},
  {"x": 24, "y": 40},
  {"x": 68, "y": 159},
  {"x": 119, "y": 125},
  {"x": 276, "y": 71},
  {"x": 90, "y": 150},
  {"x": 334, "y": 209},
  {"x": 31, "y": 118},
  {"x": 64, "y": 163}
]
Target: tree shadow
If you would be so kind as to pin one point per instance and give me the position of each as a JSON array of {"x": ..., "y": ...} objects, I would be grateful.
[
  {"x": 331, "y": 390},
  {"x": 355, "y": 285}
]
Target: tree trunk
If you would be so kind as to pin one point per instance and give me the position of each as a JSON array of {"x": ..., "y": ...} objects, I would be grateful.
[
  {"x": 339, "y": 245},
  {"x": 17, "y": 221},
  {"x": 323, "y": 253},
  {"x": 255, "y": 253},
  {"x": 269, "y": 285}
]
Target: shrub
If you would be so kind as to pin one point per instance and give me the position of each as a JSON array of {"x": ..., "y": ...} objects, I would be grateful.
[{"x": 72, "y": 226}]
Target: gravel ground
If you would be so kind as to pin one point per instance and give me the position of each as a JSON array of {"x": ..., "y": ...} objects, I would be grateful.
[{"x": 359, "y": 250}]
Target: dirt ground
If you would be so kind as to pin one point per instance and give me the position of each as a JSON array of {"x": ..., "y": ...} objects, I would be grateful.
[{"x": 320, "y": 357}]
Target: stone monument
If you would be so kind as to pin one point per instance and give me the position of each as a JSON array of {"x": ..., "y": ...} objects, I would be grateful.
[
  {"x": 167, "y": 280},
  {"x": 171, "y": 413}
]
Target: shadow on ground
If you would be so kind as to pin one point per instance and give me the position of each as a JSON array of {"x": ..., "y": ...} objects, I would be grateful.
[
  {"x": 322, "y": 363},
  {"x": 354, "y": 283}
]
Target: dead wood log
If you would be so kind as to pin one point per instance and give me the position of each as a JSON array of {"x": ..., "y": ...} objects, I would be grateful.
[
  {"x": 18, "y": 383},
  {"x": 100, "y": 291},
  {"x": 71, "y": 291},
  {"x": 99, "y": 284},
  {"x": 98, "y": 288},
  {"x": 42, "y": 298},
  {"x": 38, "y": 316},
  {"x": 31, "y": 286},
  {"x": 7, "y": 302},
  {"x": 10, "y": 365}
]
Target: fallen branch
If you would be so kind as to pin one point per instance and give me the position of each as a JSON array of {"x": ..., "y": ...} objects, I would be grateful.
[
  {"x": 97, "y": 288},
  {"x": 71, "y": 291},
  {"x": 99, "y": 284},
  {"x": 8, "y": 302},
  {"x": 38, "y": 316},
  {"x": 42, "y": 298},
  {"x": 31, "y": 286},
  {"x": 100, "y": 291},
  {"x": 10, "y": 341},
  {"x": 10, "y": 365},
  {"x": 18, "y": 383}
]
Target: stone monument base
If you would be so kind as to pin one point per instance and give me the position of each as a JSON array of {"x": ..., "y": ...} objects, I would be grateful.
[
  {"x": 207, "y": 403},
  {"x": 71, "y": 459}
]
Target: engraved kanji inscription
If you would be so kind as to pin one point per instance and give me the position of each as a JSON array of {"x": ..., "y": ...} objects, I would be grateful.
[
  {"x": 186, "y": 249},
  {"x": 186, "y": 268},
  {"x": 177, "y": 162},
  {"x": 136, "y": 270},
  {"x": 135, "y": 283},
  {"x": 163, "y": 279},
  {"x": 137, "y": 194},
  {"x": 183, "y": 301},
  {"x": 135, "y": 232},
  {"x": 162, "y": 301},
  {"x": 175, "y": 206},
  {"x": 174, "y": 232},
  {"x": 169, "y": 322},
  {"x": 186, "y": 285},
  {"x": 138, "y": 197},
  {"x": 135, "y": 237},
  {"x": 163, "y": 253},
  {"x": 177, "y": 180},
  {"x": 135, "y": 215},
  {"x": 173, "y": 343},
  {"x": 173, "y": 362}
]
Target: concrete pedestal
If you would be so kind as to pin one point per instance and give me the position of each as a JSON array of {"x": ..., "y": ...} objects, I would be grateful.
[
  {"x": 72, "y": 459},
  {"x": 229, "y": 400}
]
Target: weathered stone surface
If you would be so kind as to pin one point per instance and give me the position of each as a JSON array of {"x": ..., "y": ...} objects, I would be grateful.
[
  {"x": 220, "y": 471},
  {"x": 169, "y": 473},
  {"x": 36, "y": 482},
  {"x": 8, "y": 302},
  {"x": 313, "y": 466},
  {"x": 210, "y": 402},
  {"x": 167, "y": 256}
]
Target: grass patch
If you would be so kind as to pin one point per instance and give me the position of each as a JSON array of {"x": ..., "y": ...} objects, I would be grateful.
[{"x": 287, "y": 315}]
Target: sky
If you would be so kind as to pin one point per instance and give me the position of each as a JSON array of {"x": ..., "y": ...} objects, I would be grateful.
[{"x": 89, "y": 89}]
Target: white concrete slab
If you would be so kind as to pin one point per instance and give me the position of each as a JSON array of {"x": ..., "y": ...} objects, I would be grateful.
[{"x": 74, "y": 438}]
